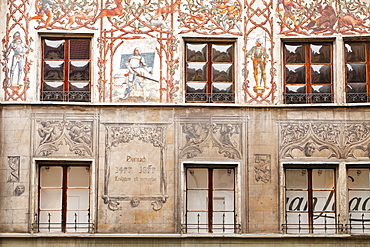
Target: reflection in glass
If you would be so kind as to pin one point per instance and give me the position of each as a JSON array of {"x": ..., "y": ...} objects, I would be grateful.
[
  {"x": 222, "y": 53},
  {"x": 294, "y": 53},
  {"x": 356, "y": 88},
  {"x": 321, "y": 74},
  {"x": 295, "y": 89},
  {"x": 355, "y": 52},
  {"x": 196, "y": 87},
  {"x": 321, "y": 89},
  {"x": 79, "y": 87},
  {"x": 196, "y": 72},
  {"x": 222, "y": 72},
  {"x": 295, "y": 74},
  {"x": 222, "y": 87},
  {"x": 196, "y": 52},
  {"x": 320, "y": 53},
  {"x": 54, "y": 49},
  {"x": 53, "y": 86},
  {"x": 53, "y": 70},
  {"x": 79, "y": 71},
  {"x": 356, "y": 73}
]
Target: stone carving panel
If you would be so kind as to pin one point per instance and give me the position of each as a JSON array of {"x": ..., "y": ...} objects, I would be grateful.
[
  {"x": 73, "y": 135},
  {"x": 134, "y": 169},
  {"x": 222, "y": 134},
  {"x": 262, "y": 168},
  {"x": 331, "y": 139},
  {"x": 14, "y": 164}
]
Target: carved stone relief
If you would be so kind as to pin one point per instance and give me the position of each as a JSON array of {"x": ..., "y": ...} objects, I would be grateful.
[
  {"x": 134, "y": 169},
  {"x": 14, "y": 164},
  {"x": 262, "y": 168},
  {"x": 199, "y": 135},
  {"x": 331, "y": 139},
  {"x": 64, "y": 134}
]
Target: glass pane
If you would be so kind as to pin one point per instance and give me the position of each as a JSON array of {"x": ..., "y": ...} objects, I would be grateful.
[
  {"x": 222, "y": 53},
  {"x": 53, "y": 71},
  {"x": 355, "y": 52},
  {"x": 79, "y": 49},
  {"x": 295, "y": 89},
  {"x": 222, "y": 87},
  {"x": 321, "y": 74},
  {"x": 322, "y": 179},
  {"x": 223, "y": 200},
  {"x": 359, "y": 222},
  {"x": 356, "y": 73},
  {"x": 223, "y": 222},
  {"x": 78, "y": 199},
  {"x": 77, "y": 221},
  {"x": 294, "y": 53},
  {"x": 197, "y": 200},
  {"x": 79, "y": 71},
  {"x": 359, "y": 201},
  {"x": 320, "y": 53},
  {"x": 78, "y": 176},
  {"x": 197, "y": 178},
  {"x": 323, "y": 201},
  {"x": 296, "y": 178},
  {"x": 223, "y": 178},
  {"x": 196, "y": 87},
  {"x": 324, "y": 223},
  {"x": 197, "y": 222},
  {"x": 50, "y": 199},
  {"x": 51, "y": 176},
  {"x": 321, "y": 89},
  {"x": 196, "y": 72},
  {"x": 79, "y": 87},
  {"x": 358, "y": 178},
  {"x": 54, "y": 49},
  {"x": 297, "y": 222},
  {"x": 196, "y": 52},
  {"x": 296, "y": 200},
  {"x": 295, "y": 74},
  {"x": 222, "y": 72},
  {"x": 55, "y": 218}
]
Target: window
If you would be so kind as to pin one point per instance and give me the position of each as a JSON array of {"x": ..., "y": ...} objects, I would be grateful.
[
  {"x": 64, "y": 198},
  {"x": 66, "y": 69},
  {"x": 310, "y": 200},
  {"x": 209, "y": 72},
  {"x": 359, "y": 200},
  {"x": 210, "y": 200},
  {"x": 357, "y": 57},
  {"x": 308, "y": 73}
]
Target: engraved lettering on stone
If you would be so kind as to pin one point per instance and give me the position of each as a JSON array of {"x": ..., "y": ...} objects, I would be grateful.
[
  {"x": 262, "y": 168},
  {"x": 14, "y": 164}
]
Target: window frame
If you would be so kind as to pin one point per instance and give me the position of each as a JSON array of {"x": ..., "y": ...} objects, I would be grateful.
[
  {"x": 66, "y": 95},
  {"x": 309, "y": 96},
  {"x": 74, "y": 227},
  {"x": 208, "y": 96}
]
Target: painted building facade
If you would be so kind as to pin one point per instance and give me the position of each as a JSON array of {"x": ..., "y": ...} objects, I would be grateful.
[{"x": 185, "y": 123}]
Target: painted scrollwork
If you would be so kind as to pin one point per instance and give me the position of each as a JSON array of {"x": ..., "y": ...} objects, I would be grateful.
[{"x": 330, "y": 138}]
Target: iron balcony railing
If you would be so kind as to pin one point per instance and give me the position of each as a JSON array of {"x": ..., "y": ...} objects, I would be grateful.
[
  {"x": 77, "y": 96},
  {"x": 213, "y": 228},
  {"x": 357, "y": 97},
  {"x": 306, "y": 98},
  {"x": 74, "y": 226},
  {"x": 210, "y": 97},
  {"x": 357, "y": 225}
]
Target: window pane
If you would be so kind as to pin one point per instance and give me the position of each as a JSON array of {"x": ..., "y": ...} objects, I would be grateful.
[
  {"x": 320, "y": 53},
  {"x": 197, "y": 200},
  {"x": 77, "y": 221},
  {"x": 355, "y": 52},
  {"x": 321, "y": 74},
  {"x": 196, "y": 72},
  {"x": 54, "y": 49},
  {"x": 79, "y": 49},
  {"x": 296, "y": 179},
  {"x": 53, "y": 86},
  {"x": 223, "y": 222},
  {"x": 197, "y": 222},
  {"x": 78, "y": 199},
  {"x": 321, "y": 89},
  {"x": 78, "y": 176},
  {"x": 223, "y": 200},
  {"x": 222, "y": 72},
  {"x": 223, "y": 178},
  {"x": 79, "y": 71},
  {"x": 55, "y": 218},
  {"x": 356, "y": 73},
  {"x": 50, "y": 199},
  {"x": 322, "y": 179},
  {"x": 51, "y": 176},
  {"x": 323, "y": 201},
  {"x": 298, "y": 222},
  {"x": 196, "y": 87},
  {"x": 222, "y": 53},
  {"x": 359, "y": 201},
  {"x": 295, "y": 74},
  {"x": 294, "y": 53},
  {"x": 324, "y": 223},
  {"x": 53, "y": 71},
  {"x": 222, "y": 87},
  {"x": 79, "y": 87},
  {"x": 358, "y": 178},
  {"x": 296, "y": 200},
  {"x": 196, "y": 52},
  {"x": 197, "y": 178}
]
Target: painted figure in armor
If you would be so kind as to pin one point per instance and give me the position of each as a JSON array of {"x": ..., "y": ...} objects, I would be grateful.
[{"x": 259, "y": 57}]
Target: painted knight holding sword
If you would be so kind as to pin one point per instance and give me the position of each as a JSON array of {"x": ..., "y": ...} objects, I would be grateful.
[{"x": 137, "y": 67}]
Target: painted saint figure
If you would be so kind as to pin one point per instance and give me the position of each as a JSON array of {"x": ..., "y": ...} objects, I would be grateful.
[
  {"x": 20, "y": 51},
  {"x": 136, "y": 68},
  {"x": 259, "y": 57}
]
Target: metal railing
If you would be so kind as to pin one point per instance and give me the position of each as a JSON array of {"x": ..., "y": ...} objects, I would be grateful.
[
  {"x": 210, "y": 97},
  {"x": 77, "y": 96},
  {"x": 358, "y": 225},
  {"x": 357, "y": 97},
  {"x": 74, "y": 226},
  {"x": 213, "y": 228},
  {"x": 306, "y": 98}
]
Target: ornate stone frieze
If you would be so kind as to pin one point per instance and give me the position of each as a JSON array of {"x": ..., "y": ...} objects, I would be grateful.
[
  {"x": 262, "y": 168},
  {"x": 135, "y": 166},
  {"x": 199, "y": 136},
  {"x": 14, "y": 164},
  {"x": 331, "y": 139},
  {"x": 64, "y": 134}
]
